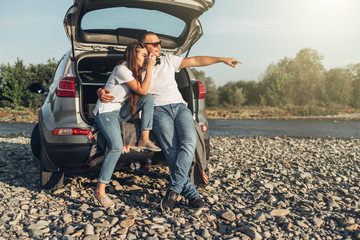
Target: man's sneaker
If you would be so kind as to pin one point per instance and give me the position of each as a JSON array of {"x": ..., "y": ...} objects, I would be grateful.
[
  {"x": 168, "y": 202},
  {"x": 149, "y": 145},
  {"x": 197, "y": 202}
]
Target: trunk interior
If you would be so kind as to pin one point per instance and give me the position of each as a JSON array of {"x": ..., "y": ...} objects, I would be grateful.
[{"x": 94, "y": 71}]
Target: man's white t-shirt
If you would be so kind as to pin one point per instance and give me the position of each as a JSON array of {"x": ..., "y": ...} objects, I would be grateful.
[
  {"x": 116, "y": 84},
  {"x": 163, "y": 85}
]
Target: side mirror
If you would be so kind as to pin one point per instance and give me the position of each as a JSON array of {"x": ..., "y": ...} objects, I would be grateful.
[{"x": 37, "y": 88}]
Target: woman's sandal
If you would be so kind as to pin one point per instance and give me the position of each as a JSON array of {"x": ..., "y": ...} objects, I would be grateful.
[{"x": 104, "y": 201}]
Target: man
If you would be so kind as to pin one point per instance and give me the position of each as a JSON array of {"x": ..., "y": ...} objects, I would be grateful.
[{"x": 173, "y": 122}]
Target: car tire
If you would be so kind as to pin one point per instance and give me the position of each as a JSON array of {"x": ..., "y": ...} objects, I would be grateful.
[
  {"x": 35, "y": 141},
  {"x": 49, "y": 180}
]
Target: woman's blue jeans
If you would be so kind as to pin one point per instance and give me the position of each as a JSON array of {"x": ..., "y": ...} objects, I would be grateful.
[
  {"x": 109, "y": 125},
  {"x": 175, "y": 130}
]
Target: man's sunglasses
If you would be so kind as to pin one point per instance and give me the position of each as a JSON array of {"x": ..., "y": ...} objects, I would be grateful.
[{"x": 155, "y": 44}]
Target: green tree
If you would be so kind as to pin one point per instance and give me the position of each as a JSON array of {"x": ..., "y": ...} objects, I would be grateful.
[
  {"x": 13, "y": 82},
  {"x": 239, "y": 97},
  {"x": 338, "y": 86},
  {"x": 231, "y": 94},
  {"x": 274, "y": 85},
  {"x": 355, "y": 83},
  {"x": 306, "y": 76},
  {"x": 212, "y": 97},
  {"x": 251, "y": 91}
]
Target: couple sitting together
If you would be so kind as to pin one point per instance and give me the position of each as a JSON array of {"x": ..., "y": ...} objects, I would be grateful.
[{"x": 139, "y": 84}]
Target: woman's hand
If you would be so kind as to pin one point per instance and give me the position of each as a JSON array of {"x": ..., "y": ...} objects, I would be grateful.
[{"x": 151, "y": 61}]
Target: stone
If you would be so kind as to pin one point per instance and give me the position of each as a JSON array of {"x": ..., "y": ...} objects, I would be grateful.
[
  {"x": 318, "y": 222},
  {"x": 67, "y": 218},
  {"x": 251, "y": 232},
  {"x": 228, "y": 215},
  {"x": 69, "y": 230},
  {"x": 126, "y": 223},
  {"x": 352, "y": 227},
  {"x": 89, "y": 229},
  {"x": 280, "y": 212},
  {"x": 205, "y": 234},
  {"x": 179, "y": 220},
  {"x": 97, "y": 214}
]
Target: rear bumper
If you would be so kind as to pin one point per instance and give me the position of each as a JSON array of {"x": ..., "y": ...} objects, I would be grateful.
[
  {"x": 63, "y": 152},
  {"x": 66, "y": 153},
  {"x": 66, "y": 156}
]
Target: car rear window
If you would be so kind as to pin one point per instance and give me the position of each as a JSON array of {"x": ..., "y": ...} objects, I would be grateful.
[{"x": 133, "y": 18}]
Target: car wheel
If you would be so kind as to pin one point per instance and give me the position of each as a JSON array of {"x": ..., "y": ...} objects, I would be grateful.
[
  {"x": 49, "y": 180},
  {"x": 35, "y": 141}
]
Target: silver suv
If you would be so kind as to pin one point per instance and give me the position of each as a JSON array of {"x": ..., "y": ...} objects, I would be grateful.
[{"x": 99, "y": 31}]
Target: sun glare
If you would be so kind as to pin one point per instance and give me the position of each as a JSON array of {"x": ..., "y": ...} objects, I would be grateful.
[
  {"x": 326, "y": 15},
  {"x": 328, "y": 6}
]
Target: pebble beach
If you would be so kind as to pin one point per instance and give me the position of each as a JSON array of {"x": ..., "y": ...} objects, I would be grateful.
[{"x": 259, "y": 188}]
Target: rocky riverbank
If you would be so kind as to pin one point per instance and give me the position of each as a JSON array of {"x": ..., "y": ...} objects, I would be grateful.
[{"x": 260, "y": 188}]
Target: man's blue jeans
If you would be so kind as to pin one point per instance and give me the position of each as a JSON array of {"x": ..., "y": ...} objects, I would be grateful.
[
  {"x": 174, "y": 128},
  {"x": 109, "y": 125}
]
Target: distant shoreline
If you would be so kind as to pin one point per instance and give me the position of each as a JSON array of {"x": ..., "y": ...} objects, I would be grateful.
[
  {"x": 225, "y": 114},
  {"x": 17, "y": 116}
]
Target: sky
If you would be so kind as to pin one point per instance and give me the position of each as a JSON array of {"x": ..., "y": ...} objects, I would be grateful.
[{"x": 256, "y": 32}]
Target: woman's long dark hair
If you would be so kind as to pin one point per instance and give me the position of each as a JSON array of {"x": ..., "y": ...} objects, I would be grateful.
[{"x": 130, "y": 58}]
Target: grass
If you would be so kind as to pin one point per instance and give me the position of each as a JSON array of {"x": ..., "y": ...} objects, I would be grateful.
[
  {"x": 266, "y": 112},
  {"x": 18, "y": 115}
]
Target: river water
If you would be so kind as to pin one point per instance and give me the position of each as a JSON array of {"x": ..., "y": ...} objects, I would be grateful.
[
  {"x": 291, "y": 128},
  {"x": 246, "y": 128}
]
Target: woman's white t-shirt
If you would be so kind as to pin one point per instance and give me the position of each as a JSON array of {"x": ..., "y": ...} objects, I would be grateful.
[{"x": 116, "y": 84}]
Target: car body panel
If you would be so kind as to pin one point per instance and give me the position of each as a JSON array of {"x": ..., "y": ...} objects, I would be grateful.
[{"x": 117, "y": 37}]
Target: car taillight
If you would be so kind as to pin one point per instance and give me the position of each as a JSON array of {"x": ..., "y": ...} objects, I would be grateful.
[
  {"x": 70, "y": 131},
  {"x": 204, "y": 128},
  {"x": 202, "y": 90},
  {"x": 66, "y": 87}
]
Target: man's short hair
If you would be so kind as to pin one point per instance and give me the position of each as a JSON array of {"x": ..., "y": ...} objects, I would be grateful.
[{"x": 142, "y": 37}]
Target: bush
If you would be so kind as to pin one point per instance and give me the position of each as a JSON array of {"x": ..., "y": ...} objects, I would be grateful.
[
  {"x": 311, "y": 110},
  {"x": 6, "y": 104}
]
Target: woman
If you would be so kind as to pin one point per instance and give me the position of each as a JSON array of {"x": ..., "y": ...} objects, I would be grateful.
[{"x": 130, "y": 92}]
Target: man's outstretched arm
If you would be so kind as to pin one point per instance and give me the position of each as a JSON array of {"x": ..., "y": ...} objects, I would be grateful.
[{"x": 201, "y": 61}]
